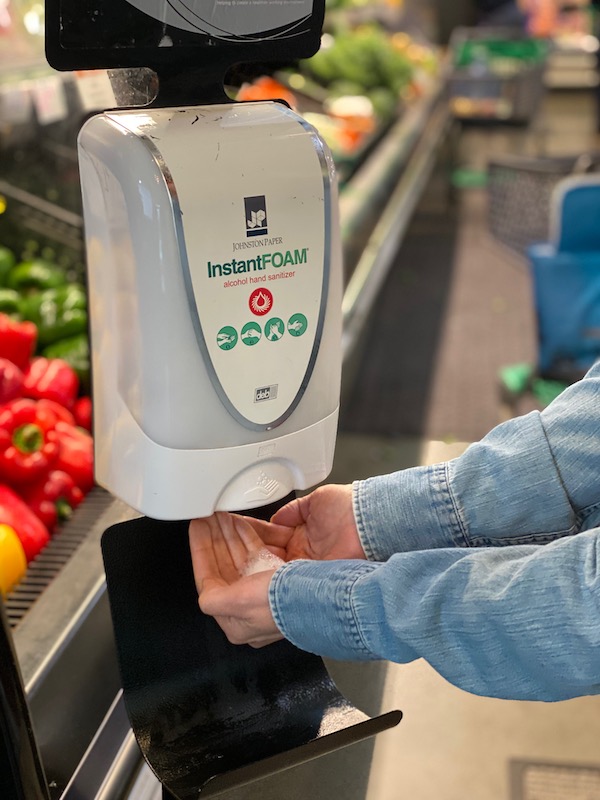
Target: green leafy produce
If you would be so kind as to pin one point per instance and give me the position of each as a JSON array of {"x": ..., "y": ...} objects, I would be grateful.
[
  {"x": 364, "y": 61},
  {"x": 384, "y": 102}
]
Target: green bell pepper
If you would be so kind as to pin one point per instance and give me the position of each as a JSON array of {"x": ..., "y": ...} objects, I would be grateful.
[
  {"x": 35, "y": 276},
  {"x": 10, "y": 303},
  {"x": 75, "y": 351},
  {"x": 58, "y": 313},
  {"x": 7, "y": 262}
]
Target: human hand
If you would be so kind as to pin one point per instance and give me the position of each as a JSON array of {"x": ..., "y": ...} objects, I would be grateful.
[
  {"x": 221, "y": 547},
  {"x": 319, "y": 526}
]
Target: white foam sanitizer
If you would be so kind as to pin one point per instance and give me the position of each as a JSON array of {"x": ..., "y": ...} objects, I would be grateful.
[{"x": 214, "y": 272}]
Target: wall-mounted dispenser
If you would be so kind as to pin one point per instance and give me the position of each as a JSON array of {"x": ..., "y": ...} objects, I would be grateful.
[{"x": 215, "y": 290}]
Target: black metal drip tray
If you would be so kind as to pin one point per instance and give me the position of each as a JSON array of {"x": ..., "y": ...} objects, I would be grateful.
[
  {"x": 208, "y": 715},
  {"x": 48, "y": 565}
]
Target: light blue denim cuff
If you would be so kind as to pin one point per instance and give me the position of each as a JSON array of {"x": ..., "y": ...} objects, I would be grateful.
[
  {"x": 505, "y": 489},
  {"x": 405, "y": 511},
  {"x": 312, "y": 605}
]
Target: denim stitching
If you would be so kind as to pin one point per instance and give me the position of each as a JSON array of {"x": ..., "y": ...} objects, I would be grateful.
[
  {"x": 359, "y": 639},
  {"x": 551, "y": 451},
  {"x": 273, "y": 597},
  {"x": 360, "y": 521},
  {"x": 442, "y": 487},
  {"x": 530, "y": 538},
  {"x": 584, "y": 513}
]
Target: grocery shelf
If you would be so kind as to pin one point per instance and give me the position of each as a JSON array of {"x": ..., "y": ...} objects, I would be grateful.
[
  {"x": 64, "y": 642},
  {"x": 381, "y": 199},
  {"x": 571, "y": 68}
]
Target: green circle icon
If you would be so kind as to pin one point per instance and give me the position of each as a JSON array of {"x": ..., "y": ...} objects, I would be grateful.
[
  {"x": 297, "y": 325},
  {"x": 274, "y": 329},
  {"x": 251, "y": 333},
  {"x": 227, "y": 338}
]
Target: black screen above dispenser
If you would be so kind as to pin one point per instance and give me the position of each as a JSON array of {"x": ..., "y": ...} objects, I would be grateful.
[{"x": 90, "y": 34}]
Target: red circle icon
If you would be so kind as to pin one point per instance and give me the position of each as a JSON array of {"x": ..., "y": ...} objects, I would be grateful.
[{"x": 260, "y": 302}]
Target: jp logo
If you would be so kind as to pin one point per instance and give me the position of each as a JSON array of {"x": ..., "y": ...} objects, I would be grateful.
[
  {"x": 256, "y": 219},
  {"x": 232, "y": 20},
  {"x": 256, "y": 215}
]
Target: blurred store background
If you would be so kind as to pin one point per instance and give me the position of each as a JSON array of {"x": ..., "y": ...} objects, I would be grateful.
[{"x": 466, "y": 138}]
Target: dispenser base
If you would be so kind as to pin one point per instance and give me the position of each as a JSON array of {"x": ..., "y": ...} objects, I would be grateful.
[{"x": 163, "y": 482}]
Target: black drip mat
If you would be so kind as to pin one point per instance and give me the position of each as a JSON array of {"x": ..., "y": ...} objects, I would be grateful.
[{"x": 208, "y": 715}]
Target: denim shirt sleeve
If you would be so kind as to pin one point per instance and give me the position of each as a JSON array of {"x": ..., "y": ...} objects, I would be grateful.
[
  {"x": 520, "y": 621},
  {"x": 529, "y": 481}
]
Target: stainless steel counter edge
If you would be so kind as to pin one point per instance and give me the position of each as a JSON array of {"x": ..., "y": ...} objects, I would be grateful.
[
  {"x": 389, "y": 156},
  {"x": 58, "y": 613},
  {"x": 383, "y": 244}
]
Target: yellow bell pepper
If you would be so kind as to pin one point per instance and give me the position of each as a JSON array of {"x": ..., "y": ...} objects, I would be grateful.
[{"x": 13, "y": 563}]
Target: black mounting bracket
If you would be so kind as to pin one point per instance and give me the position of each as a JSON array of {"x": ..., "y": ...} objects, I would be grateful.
[{"x": 184, "y": 42}]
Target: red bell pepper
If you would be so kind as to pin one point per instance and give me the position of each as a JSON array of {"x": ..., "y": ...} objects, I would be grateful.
[
  {"x": 28, "y": 442},
  {"x": 11, "y": 381},
  {"x": 82, "y": 411},
  {"x": 53, "y": 498},
  {"x": 51, "y": 379},
  {"x": 76, "y": 455},
  {"x": 31, "y": 531},
  {"x": 17, "y": 341},
  {"x": 50, "y": 412}
]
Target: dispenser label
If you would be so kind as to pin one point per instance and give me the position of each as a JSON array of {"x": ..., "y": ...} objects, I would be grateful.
[{"x": 260, "y": 299}]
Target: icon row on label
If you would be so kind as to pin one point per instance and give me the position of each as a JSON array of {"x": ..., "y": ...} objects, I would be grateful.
[{"x": 252, "y": 332}]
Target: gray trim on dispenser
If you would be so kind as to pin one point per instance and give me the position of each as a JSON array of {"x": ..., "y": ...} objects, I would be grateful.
[{"x": 178, "y": 223}]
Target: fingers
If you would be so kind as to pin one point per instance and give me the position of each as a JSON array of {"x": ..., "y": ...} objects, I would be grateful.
[
  {"x": 242, "y": 609},
  {"x": 240, "y": 599},
  {"x": 204, "y": 561},
  {"x": 218, "y": 524},
  {"x": 247, "y": 533},
  {"x": 238, "y": 549},
  {"x": 220, "y": 546},
  {"x": 266, "y": 640},
  {"x": 273, "y": 536},
  {"x": 211, "y": 556},
  {"x": 293, "y": 514}
]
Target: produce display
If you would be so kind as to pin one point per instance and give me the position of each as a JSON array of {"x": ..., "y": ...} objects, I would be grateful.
[
  {"x": 386, "y": 68},
  {"x": 362, "y": 62},
  {"x": 360, "y": 79},
  {"x": 46, "y": 447},
  {"x": 345, "y": 123}
]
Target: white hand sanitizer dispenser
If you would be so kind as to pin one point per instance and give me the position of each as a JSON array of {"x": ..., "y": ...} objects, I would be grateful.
[{"x": 214, "y": 271}]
